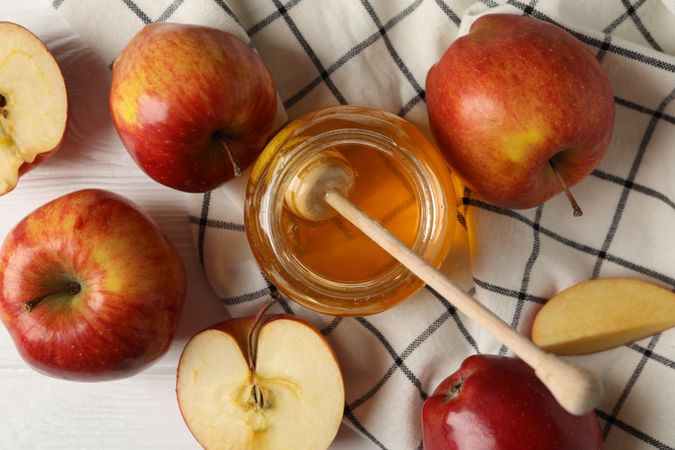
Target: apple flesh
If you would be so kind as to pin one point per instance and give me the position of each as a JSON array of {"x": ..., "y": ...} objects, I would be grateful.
[
  {"x": 193, "y": 105},
  {"x": 90, "y": 289},
  {"x": 33, "y": 104},
  {"x": 513, "y": 96},
  {"x": 600, "y": 314},
  {"x": 497, "y": 403},
  {"x": 287, "y": 393}
]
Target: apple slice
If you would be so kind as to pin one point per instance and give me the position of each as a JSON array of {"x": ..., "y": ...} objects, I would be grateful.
[
  {"x": 290, "y": 396},
  {"x": 33, "y": 103},
  {"x": 597, "y": 315}
]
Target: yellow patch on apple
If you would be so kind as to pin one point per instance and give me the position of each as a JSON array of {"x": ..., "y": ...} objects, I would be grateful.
[
  {"x": 128, "y": 107},
  {"x": 517, "y": 145},
  {"x": 601, "y": 314}
]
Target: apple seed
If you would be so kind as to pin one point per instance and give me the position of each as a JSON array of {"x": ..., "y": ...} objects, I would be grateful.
[
  {"x": 3, "y": 103},
  {"x": 257, "y": 397}
]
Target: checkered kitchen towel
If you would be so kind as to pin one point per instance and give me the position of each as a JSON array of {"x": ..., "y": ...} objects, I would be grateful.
[{"x": 377, "y": 53}]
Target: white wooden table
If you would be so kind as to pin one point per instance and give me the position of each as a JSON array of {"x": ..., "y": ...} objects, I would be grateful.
[{"x": 39, "y": 412}]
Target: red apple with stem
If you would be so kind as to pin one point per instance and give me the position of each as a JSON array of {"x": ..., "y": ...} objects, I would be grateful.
[
  {"x": 521, "y": 109},
  {"x": 33, "y": 104},
  {"x": 498, "y": 403},
  {"x": 90, "y": 288},
  {"x": 193, "y": 105}
]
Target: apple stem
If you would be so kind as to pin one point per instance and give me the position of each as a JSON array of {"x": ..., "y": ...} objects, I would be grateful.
[
  {"x": 257, "y": 398},
  {"x": 235, "y": 166},
  {"x": 570, "y": 198},
  {"x": 71, "y": 288},
  {"x": 252, "y": 344}
]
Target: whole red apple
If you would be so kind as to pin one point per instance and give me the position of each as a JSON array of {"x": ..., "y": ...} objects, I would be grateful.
[
  {"x": 513, "y": 96},
  {"x": 90, "y": 289},
  {"x": 497, "y": 403},
  {"x": 193, "y": 105},
  {"x": 33, "y": 104}
]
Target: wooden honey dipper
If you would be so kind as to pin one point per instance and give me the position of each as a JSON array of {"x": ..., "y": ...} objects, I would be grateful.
[{"x": 320, "y": 190}]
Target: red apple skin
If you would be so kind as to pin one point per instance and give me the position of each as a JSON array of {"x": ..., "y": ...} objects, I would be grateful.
[
  {"x": 42, "y": 157},
  {"x": 511, "y": 95},
  {"x": 175, "y": 89},
  {"x": 502, "y": 405},
  {"x": 132, "y": 287}
]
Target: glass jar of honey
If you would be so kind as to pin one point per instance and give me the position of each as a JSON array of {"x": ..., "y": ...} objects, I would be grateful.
[{"x": 401, "y": 181}]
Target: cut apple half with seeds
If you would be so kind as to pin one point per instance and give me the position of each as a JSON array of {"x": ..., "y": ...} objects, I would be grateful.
[
  {"x": 33, "y": 103},
  {"x": 290, "y": 397},
  {"x": 601, "y": 314}
]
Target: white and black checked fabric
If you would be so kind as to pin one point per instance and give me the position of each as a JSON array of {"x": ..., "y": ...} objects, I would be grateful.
[{"x": 377, "y": 53}]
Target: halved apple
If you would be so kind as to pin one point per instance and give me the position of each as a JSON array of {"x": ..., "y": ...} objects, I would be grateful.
[
  {"x": 275, "y": 384},
  {"x": 601, "y": 314},
  {"x": 33, "y": 103}
]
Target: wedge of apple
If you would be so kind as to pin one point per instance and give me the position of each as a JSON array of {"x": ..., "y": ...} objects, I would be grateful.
[
  {"x": 600, "y": 314},
  {"x": 275, "y": 384},
  {"x": 33, "y": 104}
]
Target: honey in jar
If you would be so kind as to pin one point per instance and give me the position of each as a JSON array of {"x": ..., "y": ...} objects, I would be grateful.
[{"x": 401, "y": 181}]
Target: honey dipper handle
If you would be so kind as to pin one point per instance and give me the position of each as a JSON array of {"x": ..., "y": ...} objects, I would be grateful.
[{"x": 576, "y": 389}]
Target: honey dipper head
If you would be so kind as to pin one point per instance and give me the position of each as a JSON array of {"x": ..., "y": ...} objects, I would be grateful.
[{"x": 323, "y": 172}]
